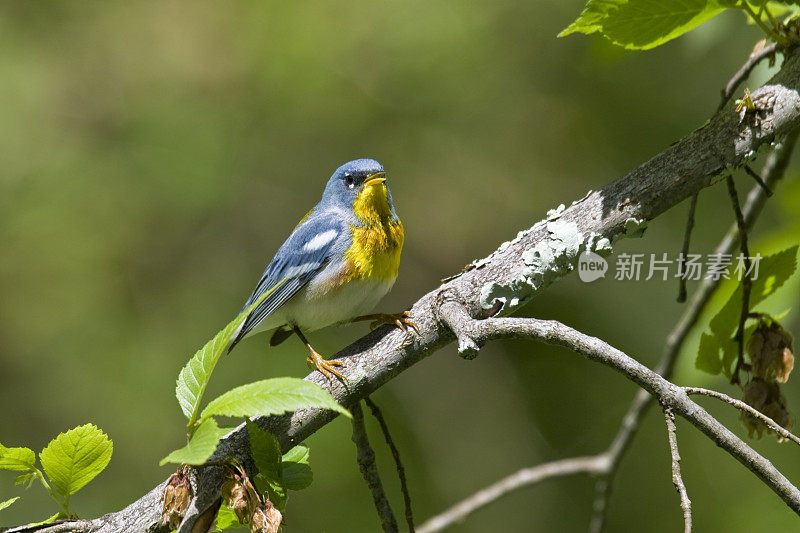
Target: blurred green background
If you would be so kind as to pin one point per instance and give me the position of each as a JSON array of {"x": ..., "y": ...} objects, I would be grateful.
[{"x": 155, "y": 154}]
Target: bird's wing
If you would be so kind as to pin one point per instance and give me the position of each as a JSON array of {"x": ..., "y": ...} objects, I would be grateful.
[{"x": 304, "y": 254}]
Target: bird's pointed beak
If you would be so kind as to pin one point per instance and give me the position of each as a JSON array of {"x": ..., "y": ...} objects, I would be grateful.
[{"x": 375, "y": 179}]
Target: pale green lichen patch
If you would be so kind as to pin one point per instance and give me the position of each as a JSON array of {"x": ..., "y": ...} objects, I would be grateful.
[{"x": 545, "y": 263}]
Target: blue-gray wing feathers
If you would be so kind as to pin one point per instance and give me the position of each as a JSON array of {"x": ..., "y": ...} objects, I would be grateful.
[{"x": 304, "y": 254}]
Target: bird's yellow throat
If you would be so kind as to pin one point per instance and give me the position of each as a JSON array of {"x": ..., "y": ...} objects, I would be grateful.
[{"x": 375, "y": 252}]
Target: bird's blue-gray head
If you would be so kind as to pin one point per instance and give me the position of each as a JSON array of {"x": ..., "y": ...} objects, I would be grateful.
[{"x": 359, "y": 185}]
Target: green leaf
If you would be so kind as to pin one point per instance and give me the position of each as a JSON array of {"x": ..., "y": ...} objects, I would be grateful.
[
  {"x": 265, "y": 450},
  {"x": 74, "y": 458},
  {"x": 227, "y": 519},
  {"x": 266, "y": 454},
  {"x": 194, "y": 377},
  {"x": 18, "y": 459},
  {"x": 299, "y": 454},
  {"x": 272, "y": 397},
  {"x": 57, "y": 516},
  {"x": 8, "y": 503},
  {"x": 200, "y": 447},
  {"x": 708, "y": 359},
  {"x": 274, "y": 489},
  {"x": 295, "y": 470},
  {"x": 644, "y": 24},
  {"x": 774, "y": 270},
  {"x": 718, "y": 350}
]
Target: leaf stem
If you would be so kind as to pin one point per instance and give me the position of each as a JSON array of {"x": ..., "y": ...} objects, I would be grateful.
[
  {"x": 771, "y": 33},
  {"x": 63, "y": 504},
  {"x": 765, "y": 9}
]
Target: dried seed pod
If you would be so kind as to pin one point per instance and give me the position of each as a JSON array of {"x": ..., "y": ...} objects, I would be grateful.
[
  {"x": 176, "y": 498},
  {"x": 770, "y": 350},
  {"x": 766, "y": 397},
  {"x": 266, "y": 519}
]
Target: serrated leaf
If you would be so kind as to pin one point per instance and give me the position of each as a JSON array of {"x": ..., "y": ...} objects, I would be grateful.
[
  {"x": 718, "y": 350},
  {"x": 21, "y": 479},
  {"x": 644, "y": 24},
  {"x": 201, "y": 446},
  {"x": 74, "y": 458},
  {"x": 194, "y": 377},
  {"x": 17, "y": 459},
  {"x": 8, "y": 503},
  {"x": 272, "y": 397},
  {"x": 265, "y": 450}
]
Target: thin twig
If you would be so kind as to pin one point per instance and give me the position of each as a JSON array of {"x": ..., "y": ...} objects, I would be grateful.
[
  {"x": 677, "y": 478},
  {"x": 746, "y": 282},
  {"x": 758, "y": 179},
  {"x": 744, "y": 72},
  {"x": 401, "y": 472},
  {"x": 777, "y": 428},
  {"x": 522, "y": 478},
  {"x": 366, "y": 463},
  {"x": 687, "y": 237}
]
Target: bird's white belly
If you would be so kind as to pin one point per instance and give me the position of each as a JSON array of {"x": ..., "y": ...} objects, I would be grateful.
[{"x": 310, "y": 311}]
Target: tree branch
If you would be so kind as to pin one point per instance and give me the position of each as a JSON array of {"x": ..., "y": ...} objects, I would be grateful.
[
  {"x": 592, "y": 465},
  {"x": 773, "y": 171},
  {"x": 774, "y": 426},
  {"x": 516, "y": 271},
  {"x": 401, "y": 472},
  {"x": 606, "y": 463},
  {"x": 669, "y": 395},
  {"x": 366, "y": 463},
  {"x": 677, "y": 478},
  {"x": 756, "y": 57}
]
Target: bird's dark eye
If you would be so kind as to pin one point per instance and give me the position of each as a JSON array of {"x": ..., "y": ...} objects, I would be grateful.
[{"x": 350, "y": 181}]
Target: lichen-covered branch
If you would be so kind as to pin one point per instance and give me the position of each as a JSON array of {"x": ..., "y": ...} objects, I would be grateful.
[
  {"x": 605, "y": 464},
  {"x": 773, "y": 170},
  {"x": 503, "y": 281}
]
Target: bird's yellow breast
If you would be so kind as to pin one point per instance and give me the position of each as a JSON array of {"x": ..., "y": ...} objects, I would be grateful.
[{"x": 376, "y": 246}]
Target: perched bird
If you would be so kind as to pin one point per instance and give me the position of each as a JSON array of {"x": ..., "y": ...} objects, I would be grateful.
[{"x": 339, "y": 261}]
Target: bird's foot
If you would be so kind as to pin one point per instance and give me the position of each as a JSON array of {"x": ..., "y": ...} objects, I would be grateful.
[
  {"x": 326, "y": 368},
  {"x": 401, "y": 320}
]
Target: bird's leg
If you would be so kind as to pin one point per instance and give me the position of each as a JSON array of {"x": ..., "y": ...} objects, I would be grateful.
[
  {"x": 401, "y": 320},
  {"x": 316, "y": 361}
]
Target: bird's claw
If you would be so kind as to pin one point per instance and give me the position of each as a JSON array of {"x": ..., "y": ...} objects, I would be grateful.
[
  {"x": 401, "y": 320},
  {"x": 327, "y": 368}
]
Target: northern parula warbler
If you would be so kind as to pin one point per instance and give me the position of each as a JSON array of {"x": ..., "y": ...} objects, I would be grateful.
[{"x": 339, "y": 261}]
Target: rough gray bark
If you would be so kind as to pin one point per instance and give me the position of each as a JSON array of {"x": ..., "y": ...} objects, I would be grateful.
[{"x": 728, "y": 140}]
